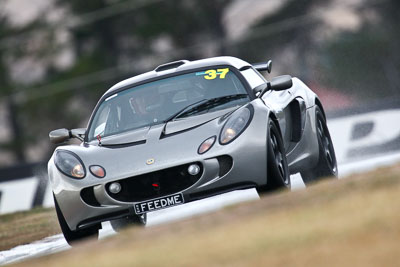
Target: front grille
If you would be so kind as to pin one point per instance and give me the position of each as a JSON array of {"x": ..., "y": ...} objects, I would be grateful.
[{"x": 155, "y": 184}]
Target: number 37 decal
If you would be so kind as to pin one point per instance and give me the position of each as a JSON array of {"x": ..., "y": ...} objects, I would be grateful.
[{"x": 212, "y": 74}]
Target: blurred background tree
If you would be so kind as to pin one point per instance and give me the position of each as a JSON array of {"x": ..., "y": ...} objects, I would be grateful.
[
  {"x": 56, "y": 66},
  {"x": 366, "y": 63},
  {"x": 15, "y": 144}
]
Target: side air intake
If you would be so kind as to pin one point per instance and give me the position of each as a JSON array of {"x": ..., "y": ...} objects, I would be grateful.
[{"x": 171, "y": 65}]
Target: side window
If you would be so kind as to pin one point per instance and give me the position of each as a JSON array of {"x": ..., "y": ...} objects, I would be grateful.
[{"x": 253, "y": 78}]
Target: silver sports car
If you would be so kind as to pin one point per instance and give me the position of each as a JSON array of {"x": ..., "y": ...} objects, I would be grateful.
[{"x": 185, "y": 131}]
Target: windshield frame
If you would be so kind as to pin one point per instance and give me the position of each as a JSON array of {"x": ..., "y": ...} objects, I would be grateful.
[{"x": 236, "y": 71}]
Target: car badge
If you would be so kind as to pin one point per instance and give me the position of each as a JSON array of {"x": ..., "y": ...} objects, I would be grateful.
[
  {"x": 156, "y": 186},
  {"x": 150, "y": 161}
]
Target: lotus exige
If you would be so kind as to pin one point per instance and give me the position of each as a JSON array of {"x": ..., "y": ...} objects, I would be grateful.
[{"x": 187, "y": 130}]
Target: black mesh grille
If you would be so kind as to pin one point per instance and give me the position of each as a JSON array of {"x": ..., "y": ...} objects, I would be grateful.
[{"x": 155, "y": 184}]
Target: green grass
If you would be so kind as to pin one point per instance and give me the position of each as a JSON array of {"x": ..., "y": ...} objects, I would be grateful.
[{"x": 25, "y": 227}]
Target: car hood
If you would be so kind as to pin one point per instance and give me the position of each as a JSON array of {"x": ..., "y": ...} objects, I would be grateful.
[
  {"x": 141, "y": 135},
  {"x": 168, "y": 145}
]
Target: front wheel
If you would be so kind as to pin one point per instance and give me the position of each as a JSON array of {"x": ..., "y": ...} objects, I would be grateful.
[
  {"x": 278, "y": 175},
  {"x": 327, "y": 164},
  {"x": 73, "y": 236}
]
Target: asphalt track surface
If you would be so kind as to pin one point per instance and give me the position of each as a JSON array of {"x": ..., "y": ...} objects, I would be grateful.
[{"x": 57, "y": 243}]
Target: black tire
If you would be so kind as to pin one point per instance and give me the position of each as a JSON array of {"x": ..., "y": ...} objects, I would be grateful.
[
  {"x": 327, "y": 164},
  {"x": 278, "y": 175},
  {"x": 74, "y": 236},
  {"x": 124, "y": 222}
]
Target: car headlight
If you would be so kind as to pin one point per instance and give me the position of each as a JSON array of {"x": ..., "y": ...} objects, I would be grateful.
[
  {"x": 235, "y": 125},
  {"x": 69, "y": 164}
]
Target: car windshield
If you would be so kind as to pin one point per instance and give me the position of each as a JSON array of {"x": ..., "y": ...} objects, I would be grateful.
[{"x": 156, "y": 102}]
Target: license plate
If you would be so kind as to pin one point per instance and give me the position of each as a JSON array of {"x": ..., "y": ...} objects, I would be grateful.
[{"x": 158, "y": 203}]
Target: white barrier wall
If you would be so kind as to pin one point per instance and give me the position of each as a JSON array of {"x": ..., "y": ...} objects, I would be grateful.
[
  {"x": 17, "y": 195},
  {"x": 356, "y": 138},
  {"x": 366, "y": 135}
]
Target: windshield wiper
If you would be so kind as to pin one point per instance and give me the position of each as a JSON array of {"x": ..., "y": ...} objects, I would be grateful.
[
  {"x": 205, "y": 104},
  {"x": 177, "y": 114}
]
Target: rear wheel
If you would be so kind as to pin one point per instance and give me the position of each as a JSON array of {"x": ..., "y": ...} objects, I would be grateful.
[
  {"x": 124, "y": 222},
  {"x": 278, "y": 175},
  {"x": 327, "y": 165},
  {"x": 73, "y": 236}
]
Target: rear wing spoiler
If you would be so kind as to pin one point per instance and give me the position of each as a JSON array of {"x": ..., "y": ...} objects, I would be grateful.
[{"x": 263, "y": 66}]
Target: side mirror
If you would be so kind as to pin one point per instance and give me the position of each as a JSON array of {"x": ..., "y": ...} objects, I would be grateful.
[
  {"x": 261, "y": 89},
  {"x": 62, "y": 135},
  {"x": 281, "y": 83},
  {"x": 78, "y": 133},
  {"x": 59, "y": 136}
]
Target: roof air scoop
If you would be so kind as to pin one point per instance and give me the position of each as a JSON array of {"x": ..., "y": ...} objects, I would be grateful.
[{"x": 171, "y": 65}]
